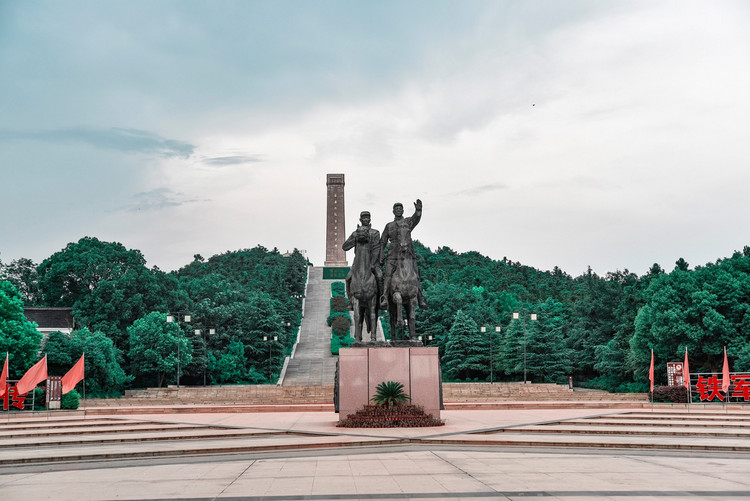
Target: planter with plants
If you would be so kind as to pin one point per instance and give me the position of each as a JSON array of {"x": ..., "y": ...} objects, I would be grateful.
[{"x": 390, "y": 409}]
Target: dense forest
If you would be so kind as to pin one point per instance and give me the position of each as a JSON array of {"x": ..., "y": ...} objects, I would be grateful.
[
  {"x": 245, "y": 308},
  {"x": 599, "y": 330}
]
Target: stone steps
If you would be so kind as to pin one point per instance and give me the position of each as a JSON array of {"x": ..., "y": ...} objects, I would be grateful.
[
  {"x": 313, "y": 364},
  {"x": 218, "y": 395},
  {"x": 486, "y": 392}
]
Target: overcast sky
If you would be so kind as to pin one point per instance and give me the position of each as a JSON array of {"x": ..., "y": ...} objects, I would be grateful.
[{"x": 596, "y": 133}]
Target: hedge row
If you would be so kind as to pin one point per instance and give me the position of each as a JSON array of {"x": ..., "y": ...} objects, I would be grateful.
[
  {"x": 339, "y": 319},
  {"x": 675, "y": 394}
]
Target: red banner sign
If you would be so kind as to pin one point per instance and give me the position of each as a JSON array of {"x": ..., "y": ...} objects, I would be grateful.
[
  {"x": 12, "y": 398},
  {"x": 709, "y": 388}
]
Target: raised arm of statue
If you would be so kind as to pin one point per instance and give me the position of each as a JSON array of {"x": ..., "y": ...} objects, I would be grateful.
[{"x": 417, "y": 213}]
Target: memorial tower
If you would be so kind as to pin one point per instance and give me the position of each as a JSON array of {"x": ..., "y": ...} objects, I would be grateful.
[{"x": 335, "y": 224}]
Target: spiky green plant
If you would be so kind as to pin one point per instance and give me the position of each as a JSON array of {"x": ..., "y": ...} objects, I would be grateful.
[{"x": 390, "y": 393}]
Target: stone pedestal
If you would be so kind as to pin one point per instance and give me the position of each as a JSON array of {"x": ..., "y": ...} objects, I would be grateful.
[{"x": 361, "y": 370}]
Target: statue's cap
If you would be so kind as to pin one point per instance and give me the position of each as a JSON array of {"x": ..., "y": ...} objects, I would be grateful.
[
  {"x": 398, "y": 204},
  {"x": 364, "y": 213}
]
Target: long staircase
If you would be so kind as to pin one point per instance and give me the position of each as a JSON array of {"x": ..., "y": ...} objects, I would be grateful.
[{"x": 313, "y": 364}]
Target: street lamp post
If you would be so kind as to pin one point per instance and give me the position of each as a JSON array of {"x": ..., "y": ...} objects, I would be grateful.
[
  {"x": 425, "y": 340},
  {"x": 532, "y": 317},
  {"x": 270, "y": 345},
  {"x": 186, "y": 319},
  {"x": 211, "y": 332},
  {"x": 483, "y": 329}
]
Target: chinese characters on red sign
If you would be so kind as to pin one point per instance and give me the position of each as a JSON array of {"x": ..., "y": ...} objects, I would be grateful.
[
  {"x": 11, "y": 398},
  {"x": 709, "y": 388}
]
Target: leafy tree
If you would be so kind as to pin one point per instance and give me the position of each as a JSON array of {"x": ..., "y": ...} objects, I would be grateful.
[
  {"x": 18, "y": 337},
  {"x": 114, "y": 304},
  {"x": 247, "y": 295},
  {"x": 104, "y": 375},
  {"x": 74, "y": 272},
  {"x": 103, "y": 363},
  {"x": 59, "y": 352},
  {"x": 230, "y": 367},
  {"x": 703, "y": 309},
  {"x": 23, "y": 275},
  {"x": 154, "y": 347}
]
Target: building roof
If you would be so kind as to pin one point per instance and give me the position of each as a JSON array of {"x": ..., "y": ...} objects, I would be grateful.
[{"x": 51, "y": 318}]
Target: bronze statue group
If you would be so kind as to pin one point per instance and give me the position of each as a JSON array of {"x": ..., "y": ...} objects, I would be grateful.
[{"x": 398, "y": 290}]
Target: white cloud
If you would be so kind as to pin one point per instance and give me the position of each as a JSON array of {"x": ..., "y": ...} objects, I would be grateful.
[{"x": 607, "y": 134}]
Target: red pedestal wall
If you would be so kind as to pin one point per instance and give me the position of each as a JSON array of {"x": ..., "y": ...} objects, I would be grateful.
[{"x": 361, "y": 370}]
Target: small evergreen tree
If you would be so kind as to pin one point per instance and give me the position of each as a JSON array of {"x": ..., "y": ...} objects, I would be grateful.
[
  {"x": 547, "y": 356},
  {"x": 466, "y": 350}
]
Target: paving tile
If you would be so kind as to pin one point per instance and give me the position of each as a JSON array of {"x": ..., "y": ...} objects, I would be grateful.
[{"x": 368, "y": 484}]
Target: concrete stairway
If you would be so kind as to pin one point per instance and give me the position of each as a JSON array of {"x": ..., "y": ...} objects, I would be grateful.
[
  {"x": 537, "y": 392},
  {"x": 313, "y": 364}
]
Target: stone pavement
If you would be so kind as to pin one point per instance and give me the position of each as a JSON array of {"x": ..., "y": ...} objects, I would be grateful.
[
  {"x": 313, "y": 364},
  {"x": 667, "y": 452}
]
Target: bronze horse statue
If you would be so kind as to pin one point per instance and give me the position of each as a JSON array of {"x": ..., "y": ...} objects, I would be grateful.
[
  {"x": 364, "y": 288},
  {"x": 402, "y": 296}
]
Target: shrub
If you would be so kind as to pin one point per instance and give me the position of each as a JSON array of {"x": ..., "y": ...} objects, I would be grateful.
[
  {"x": 335, "y": 314},
  {"x": 675, "y": 394},
  {"x": 632, "y": 388},
  {"x": 338, "y": 303},
  {"x": 40, "y": 400},
  {"x": 340, "y": 326},
  {"x": 70, "y": 400},
  {"x": 381, "y": 417},
  {"x": 340, "y": 342},
  {"x": 338, "y": 289}
]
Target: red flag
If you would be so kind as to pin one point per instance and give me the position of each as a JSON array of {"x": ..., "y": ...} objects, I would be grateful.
[
  {"x": 33, "y": 377},
  {"x": 73, "y": 376},
  {"x": 4, "y": 376},
  {"x": 651, "y": 371},
  {"x": 686, "y": 372},
  {"x": 725, "y": 373}
]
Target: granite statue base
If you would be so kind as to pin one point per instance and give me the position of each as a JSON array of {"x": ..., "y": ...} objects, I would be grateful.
[{"x": 361, "y": 370}]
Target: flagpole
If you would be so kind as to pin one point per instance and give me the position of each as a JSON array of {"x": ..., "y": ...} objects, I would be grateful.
[
  {"x": 651, "y": 379},
  {"x": 84, "y": 383},
  {"x": 46, "y": 392},
  {"x": 686, "y": 372},
  {"x": 725, "y": 381},
  {"x": 7, "y": 356}
]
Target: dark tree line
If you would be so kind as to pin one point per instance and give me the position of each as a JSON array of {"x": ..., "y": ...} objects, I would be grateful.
[
  {"x": 598, "y": 329},
  {"x": 235, "y": 300}
]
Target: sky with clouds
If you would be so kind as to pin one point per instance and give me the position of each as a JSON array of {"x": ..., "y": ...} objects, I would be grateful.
[{"x": 581, "y": 133}]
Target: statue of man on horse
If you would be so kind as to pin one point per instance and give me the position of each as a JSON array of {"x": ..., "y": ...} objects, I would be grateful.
[
  {"x": 402, "y": 289},
  {"x": 364, "y": 283}
]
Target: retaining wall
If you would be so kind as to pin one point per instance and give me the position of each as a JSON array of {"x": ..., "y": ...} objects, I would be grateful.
[{"x": 271, "y": 394}]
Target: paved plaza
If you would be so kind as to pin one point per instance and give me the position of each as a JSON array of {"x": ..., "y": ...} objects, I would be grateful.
[{"x": 565, "y": 454}]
